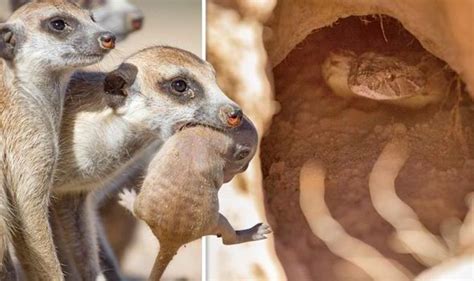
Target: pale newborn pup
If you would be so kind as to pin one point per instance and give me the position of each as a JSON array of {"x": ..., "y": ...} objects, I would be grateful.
[{"x": 178, "y": 199}]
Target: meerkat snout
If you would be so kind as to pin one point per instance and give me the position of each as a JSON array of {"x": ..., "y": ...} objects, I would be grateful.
[
  {"x": 107, "y": 40},
  {"x": 135, "y": 20},
  {"x": 231, "y": 115},
  {"x": 242, "y": 150}
]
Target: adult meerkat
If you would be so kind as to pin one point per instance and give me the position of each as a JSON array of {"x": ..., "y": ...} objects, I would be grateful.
[
  {"x": 118, "y": 16},
  {"x": 41, "y": 44},
  {"x": 178, "y": 199},
  {"x": 111, "y": 117}
]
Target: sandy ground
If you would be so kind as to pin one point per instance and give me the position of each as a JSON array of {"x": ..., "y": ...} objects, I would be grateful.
[{"x": 167, "y": 22}]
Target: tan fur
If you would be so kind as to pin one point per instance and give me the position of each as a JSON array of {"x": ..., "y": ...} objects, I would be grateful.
[
  {"x": 102, "y": 146},
  {"x": 178, "y": 199},
  {"x": 32, "y": 87}
]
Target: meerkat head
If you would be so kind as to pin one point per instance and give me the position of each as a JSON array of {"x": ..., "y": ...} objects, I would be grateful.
[
  {"x": 168, "y": 89},
  {"x": 118, "y": 16},
  {"x": 242, "y": 148},
  {"x": 53, "y": 35}
]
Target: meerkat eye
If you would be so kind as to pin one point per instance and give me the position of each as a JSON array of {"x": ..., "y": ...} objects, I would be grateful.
[
  {"x": 58, "y": 24},
  {"x": 179, "y": 85},
  {"x": 241, "y": 153},
  {"x": 93, "y": 18}
]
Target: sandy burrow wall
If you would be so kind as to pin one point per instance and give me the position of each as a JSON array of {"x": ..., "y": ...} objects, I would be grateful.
[
  {"x": 443, "y": 27},
  {"x": 246, "y": 39},
  {"x": 235, "y": 48}
]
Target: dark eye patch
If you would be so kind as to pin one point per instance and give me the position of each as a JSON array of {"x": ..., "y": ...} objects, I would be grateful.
[
  {"x": 182, "y": 87},
  {"x": 60, "y": 25}
]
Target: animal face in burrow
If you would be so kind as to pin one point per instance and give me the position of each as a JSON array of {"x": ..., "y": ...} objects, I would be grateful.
[
  {"x": 53, "y": 35},
  {"x": 382, "y": 77},
  {"x": 167, "y": 89}
]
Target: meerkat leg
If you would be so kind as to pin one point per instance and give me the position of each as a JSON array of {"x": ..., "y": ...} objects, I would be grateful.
[
  {"x": 5, "y": 269},
  {"x": 5, "y": 266},
  {"x": 230, "y": 236},
  {"x": 31, "y": 232},
  {"x": 76, "y": 218},
  {"x": 8, "y": 272},
  {"x": 108, "y": 262},
  {"x": 66, "y": 259}
]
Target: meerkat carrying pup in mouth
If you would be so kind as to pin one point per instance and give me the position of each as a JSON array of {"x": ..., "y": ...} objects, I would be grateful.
[{"x": 110, "y": 119}]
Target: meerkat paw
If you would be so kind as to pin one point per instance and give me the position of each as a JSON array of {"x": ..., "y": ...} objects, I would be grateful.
[
  {"x": 260, "y": 231},
  {"x": 127, "y": 199},
  {"x": 100, "y": 277}
]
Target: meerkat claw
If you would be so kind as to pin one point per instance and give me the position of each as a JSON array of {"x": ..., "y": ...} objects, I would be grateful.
[
  {"x": 127, "y": 199},
  {"x": 260, "y": 231}
]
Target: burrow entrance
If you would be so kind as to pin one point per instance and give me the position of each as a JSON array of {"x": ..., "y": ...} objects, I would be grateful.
[{"x": 347, "y": 135}]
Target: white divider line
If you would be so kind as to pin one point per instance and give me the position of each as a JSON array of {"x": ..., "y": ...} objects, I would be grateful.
[{"x": 204, "y": 240}]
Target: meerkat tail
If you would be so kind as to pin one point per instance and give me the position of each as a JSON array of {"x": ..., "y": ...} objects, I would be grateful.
[
  {"x": 413, "y": 236},
  {"x": 165, "y": 255},
  {"x": 324, "y": 226}
]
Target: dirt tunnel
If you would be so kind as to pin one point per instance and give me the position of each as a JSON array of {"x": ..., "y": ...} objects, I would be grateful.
[{"x": 347, "y": 136}]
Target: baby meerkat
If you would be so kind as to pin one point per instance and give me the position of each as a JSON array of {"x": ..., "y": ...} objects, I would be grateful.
[
  {"x": 41, "y": 44},
  {"x": 178, "y": 199}
]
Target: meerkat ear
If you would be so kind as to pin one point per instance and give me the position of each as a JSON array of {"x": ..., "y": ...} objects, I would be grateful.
[
  {"x": 16, "y": 4},
  {"x": 117, "y": 82},
  {"x": 7, "y": 42}
]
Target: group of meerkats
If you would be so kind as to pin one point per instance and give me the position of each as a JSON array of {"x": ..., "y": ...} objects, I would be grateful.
[{"x": 66, "y": 133}]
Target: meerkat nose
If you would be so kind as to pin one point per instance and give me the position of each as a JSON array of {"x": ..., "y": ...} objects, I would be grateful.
[
  {"x": 233, "y": 115},
  {"x": 134, "y": 20},
  {"x": 107, "y": 41},
  {"x": 137, "y": 23}
]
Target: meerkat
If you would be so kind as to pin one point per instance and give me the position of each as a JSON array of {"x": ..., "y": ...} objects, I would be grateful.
[
  {"x": 41, "y": 45},
  {"x": 178, "y": 199},
  {"x": 114, "y": 122},
  {"x": 118, "y": 16}
]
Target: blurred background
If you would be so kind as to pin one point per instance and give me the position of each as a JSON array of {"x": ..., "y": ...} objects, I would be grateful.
[{"x": 175, "y": 23}]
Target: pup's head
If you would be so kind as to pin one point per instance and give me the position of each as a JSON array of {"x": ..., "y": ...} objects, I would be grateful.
[
  {"x": 53, "y": 35},
  {"x": 242, "y": 149},
  {"x": 167, "y": 89}
]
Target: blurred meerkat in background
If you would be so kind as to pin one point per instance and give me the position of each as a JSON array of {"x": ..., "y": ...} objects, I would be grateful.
[{"x": 118, "y": 16}]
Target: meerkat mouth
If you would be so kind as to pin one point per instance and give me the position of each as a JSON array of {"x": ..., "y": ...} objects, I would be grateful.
[{"x": 198, "y": 124}]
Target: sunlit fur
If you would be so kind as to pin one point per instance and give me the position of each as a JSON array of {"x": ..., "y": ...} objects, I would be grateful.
[{"x": 32, "y": 87}]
